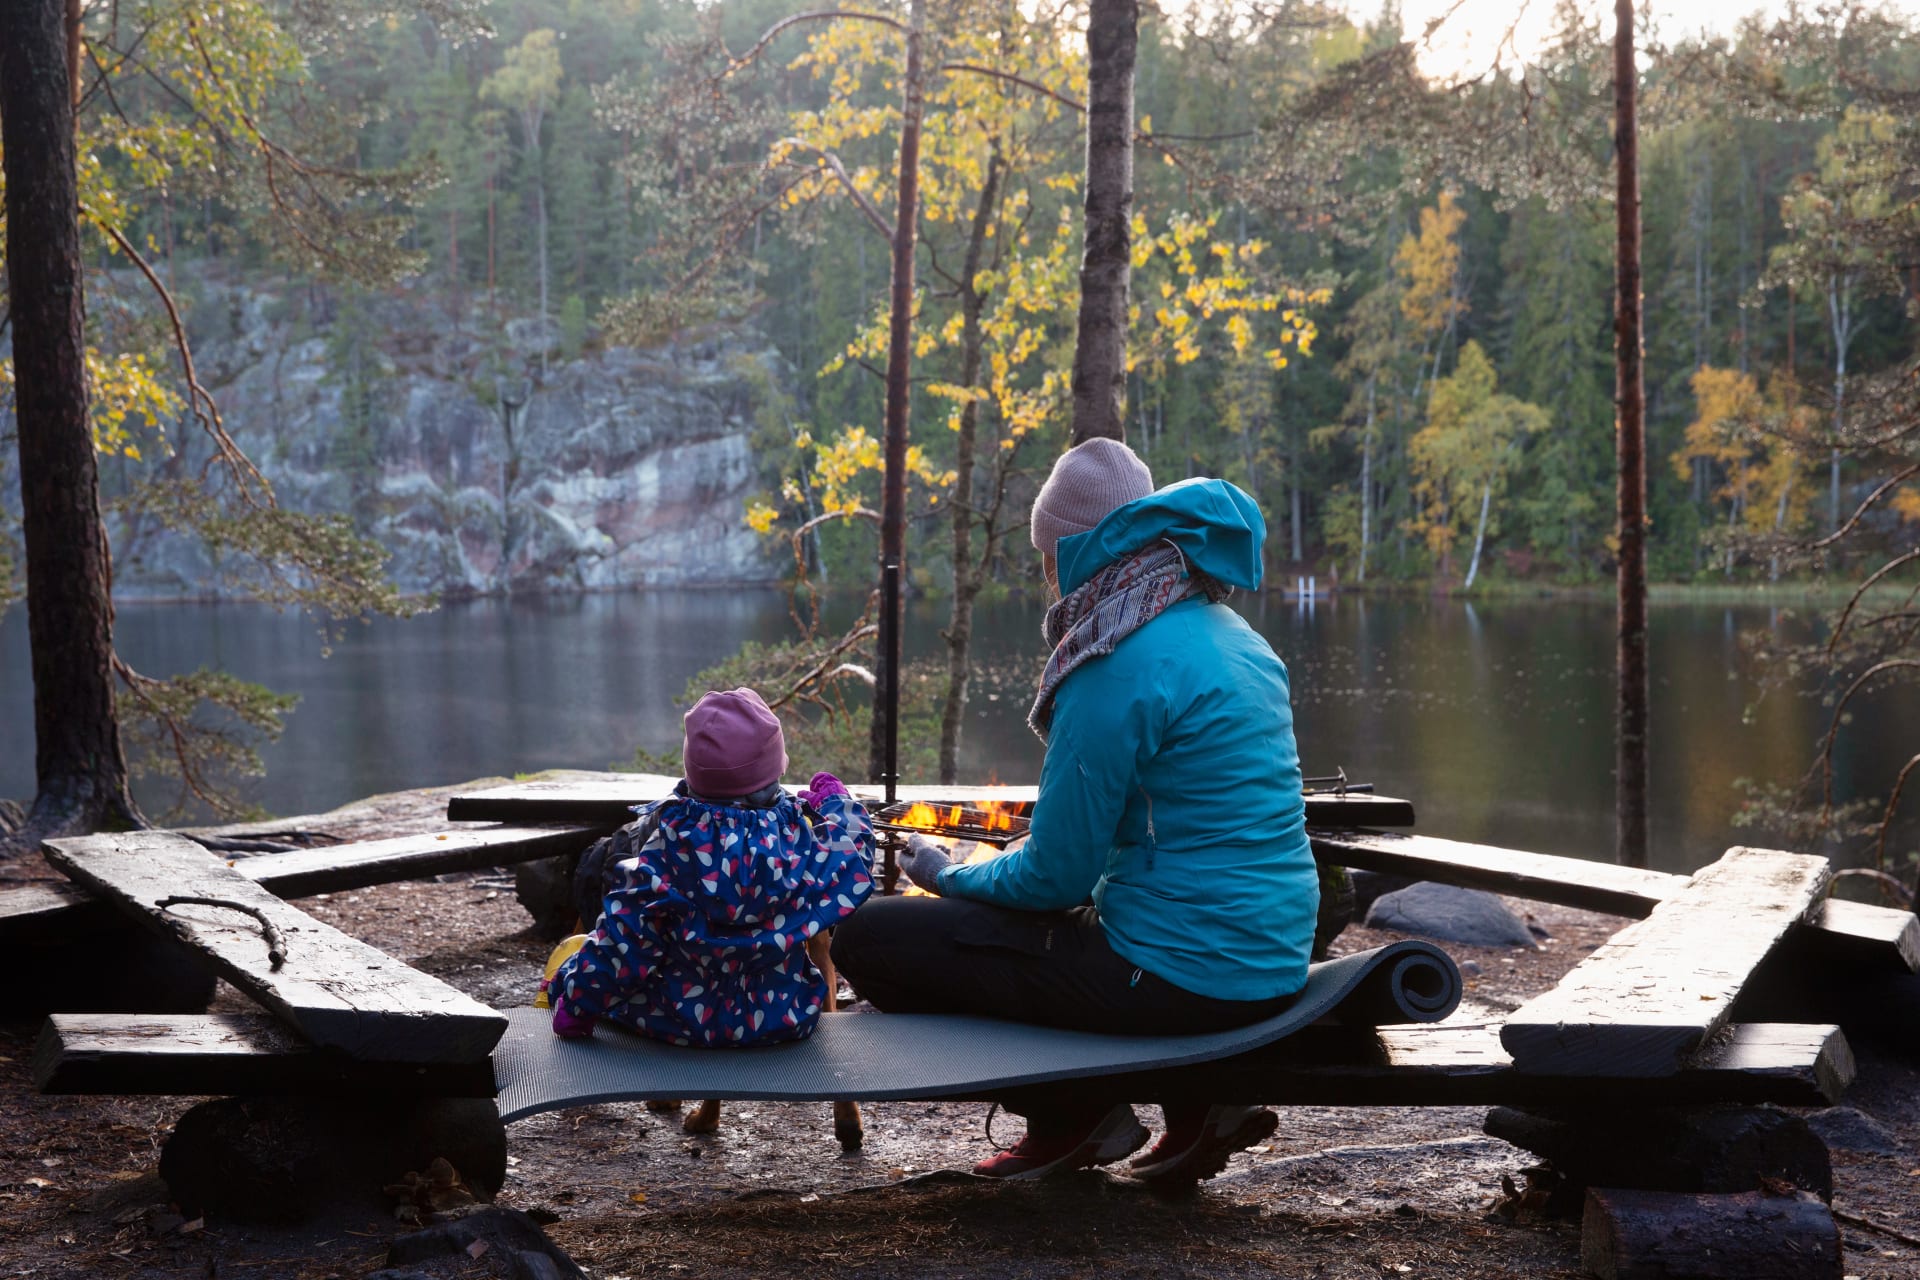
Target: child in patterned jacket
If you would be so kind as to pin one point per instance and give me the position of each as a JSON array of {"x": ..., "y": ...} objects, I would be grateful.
[{"x": 703, "y": 935}]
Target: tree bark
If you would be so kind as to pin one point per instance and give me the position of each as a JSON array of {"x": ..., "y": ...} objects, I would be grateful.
[
  {"x": 882, "y": 764},
  {"x": 1366, "y": 480},
  {"x": 1100, "y": 341},
  {"x": 967, "y": 574},
  {"x": 1630, "y": 758},
  {"x": 1479, "y": 537},
  {"x": 80, "y": 768}
]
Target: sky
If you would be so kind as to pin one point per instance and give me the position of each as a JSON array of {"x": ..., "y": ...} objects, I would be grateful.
[{"x": 1469, "y": 39}]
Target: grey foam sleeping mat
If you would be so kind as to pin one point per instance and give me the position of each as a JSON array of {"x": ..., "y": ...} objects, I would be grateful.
[{"x": 884, "y": 1057}]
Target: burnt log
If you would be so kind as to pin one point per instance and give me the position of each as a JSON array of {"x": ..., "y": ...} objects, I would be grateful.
[
  {"x": 1702, "y": 1150},
  {"x": 1651, "y": 1235},
  {"x": 284, "y": 1160}
]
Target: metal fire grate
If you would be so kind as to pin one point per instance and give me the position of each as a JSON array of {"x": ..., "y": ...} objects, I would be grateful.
[{"x": 998, "y": 827}]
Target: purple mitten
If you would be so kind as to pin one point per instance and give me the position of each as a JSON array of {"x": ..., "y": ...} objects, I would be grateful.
[
  {"x": 569, "y": 1027},
  {"x": 823, "y": 785}
]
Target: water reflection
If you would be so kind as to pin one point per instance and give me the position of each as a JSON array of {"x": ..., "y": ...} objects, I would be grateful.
[{"x": 1493, "y": 717}]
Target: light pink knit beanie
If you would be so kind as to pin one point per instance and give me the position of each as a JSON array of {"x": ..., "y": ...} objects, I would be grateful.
[{"x": 1090, "y": 480}]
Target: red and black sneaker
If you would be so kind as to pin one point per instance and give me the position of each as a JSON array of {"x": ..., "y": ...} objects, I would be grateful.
[
  {"x": 1198, "y": 1143},
  {"x": 1110, "y": 1137}
]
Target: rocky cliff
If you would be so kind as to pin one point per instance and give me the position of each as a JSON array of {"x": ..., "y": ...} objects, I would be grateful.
[{"x": 620, "y": 467}]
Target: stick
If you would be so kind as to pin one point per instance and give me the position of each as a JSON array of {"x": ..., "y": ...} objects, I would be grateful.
[{"x": 276, "y": 943}]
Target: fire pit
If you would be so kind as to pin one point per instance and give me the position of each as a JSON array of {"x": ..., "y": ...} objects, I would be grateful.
[{"x": 995, "y": 823}]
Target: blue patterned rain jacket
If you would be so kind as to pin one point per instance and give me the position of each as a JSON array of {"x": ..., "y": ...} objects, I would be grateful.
[{"x": 702, "y": 941}]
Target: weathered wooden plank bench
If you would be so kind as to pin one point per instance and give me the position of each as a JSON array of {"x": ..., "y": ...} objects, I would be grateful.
[
  {"x": 609, "y": 798},
  {"x": 335, "y": 990},
  {"x": 1654, "y": 992},
  {"x": 1788, "y": 1064},
  {"x": 33, "y": 914}
]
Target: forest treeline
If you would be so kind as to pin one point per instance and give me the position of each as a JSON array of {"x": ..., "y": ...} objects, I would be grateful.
[{"x": 1376, "y": 299}]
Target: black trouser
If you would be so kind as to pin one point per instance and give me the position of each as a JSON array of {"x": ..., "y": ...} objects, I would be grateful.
[{"x": 949, "y": 955}]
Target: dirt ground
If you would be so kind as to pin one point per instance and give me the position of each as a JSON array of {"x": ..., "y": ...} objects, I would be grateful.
[{"x": 1337, "y": 1193}]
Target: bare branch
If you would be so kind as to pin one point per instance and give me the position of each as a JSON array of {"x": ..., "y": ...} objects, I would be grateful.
[
  {"x": 819, "y": 15},
  {"x": 239, "y": 467},
  {"x": 1886, "y": 487},
  {"x": 860, "y": 199}
]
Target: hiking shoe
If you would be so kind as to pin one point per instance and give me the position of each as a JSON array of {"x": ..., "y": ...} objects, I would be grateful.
[
  {"x": 1113, "y": 1136},
  {"x": 1195, "y": 1148}
]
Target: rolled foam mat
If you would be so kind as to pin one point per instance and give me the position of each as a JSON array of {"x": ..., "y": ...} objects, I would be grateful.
[{"x": 885, "y": 1057}]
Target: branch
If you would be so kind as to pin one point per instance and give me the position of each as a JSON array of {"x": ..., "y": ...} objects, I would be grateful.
[
  {"x": 1898, "y": 479},
  {"x": 851, "y": 513},
  {"x": 1860, "y": 592},
  {"x": 818, "y": 15},
  {"x": 239, "y": 466},
  {"x": 1886, "y": 821},
  {"x": 860, "y": 198},
  {"x": 1008, "y": 76},
  {"x": 819, "y": 670},
  {"x": 1839, "y": 714}
]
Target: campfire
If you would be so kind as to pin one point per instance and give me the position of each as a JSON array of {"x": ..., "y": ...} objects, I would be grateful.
[{"x": 998, "y": 823}]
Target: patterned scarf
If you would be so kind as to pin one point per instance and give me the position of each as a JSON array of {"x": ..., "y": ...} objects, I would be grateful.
[{"x": 1109, "y": 607}]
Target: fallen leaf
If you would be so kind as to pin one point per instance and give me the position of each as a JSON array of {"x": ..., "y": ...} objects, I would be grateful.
[
  {"x": 38, "y": 1182},
  {"x": 638, "y": 1197},
  {"x": 188, "y": 1228},
  {"x": 477, "y": 1248}
]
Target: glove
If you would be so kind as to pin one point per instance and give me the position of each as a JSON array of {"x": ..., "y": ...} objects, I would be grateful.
[
  {"x": 569, "y": 1027},
  {"x": 822, "y": 786},
  {"x": 923, "y": 861}
]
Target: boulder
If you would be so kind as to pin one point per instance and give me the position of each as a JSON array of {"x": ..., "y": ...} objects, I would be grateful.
[
  {"x": 1850, "y": 1129},
  {"x": 1451, "y": 914},
  {"x": 505, "y": 1234}
]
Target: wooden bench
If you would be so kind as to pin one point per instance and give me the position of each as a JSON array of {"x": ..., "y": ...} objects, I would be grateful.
[
  {"x": 37, "y": 914},
  {"x": 337, "y": 991}
]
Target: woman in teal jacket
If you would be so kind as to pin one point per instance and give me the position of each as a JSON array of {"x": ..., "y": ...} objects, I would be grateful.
[{"x": 1167, "y": 886}]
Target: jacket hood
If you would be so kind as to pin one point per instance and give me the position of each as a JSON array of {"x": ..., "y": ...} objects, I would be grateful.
[{"x": 1216, "y": 526}]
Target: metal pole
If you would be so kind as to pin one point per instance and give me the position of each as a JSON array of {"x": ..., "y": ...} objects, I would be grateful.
[{"x": 890, "y": 697}]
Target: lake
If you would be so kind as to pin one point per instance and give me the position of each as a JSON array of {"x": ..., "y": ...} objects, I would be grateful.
[{"x": 1493, "y": 718}]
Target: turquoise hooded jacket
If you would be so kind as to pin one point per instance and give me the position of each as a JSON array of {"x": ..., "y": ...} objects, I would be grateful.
[{"x": 1170, "y": 793}]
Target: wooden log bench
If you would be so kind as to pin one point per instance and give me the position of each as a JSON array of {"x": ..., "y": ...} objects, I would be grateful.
[
  {"x": 337, "y": 991},
  {"x": 1414, "y": 1066},
  {"x": 608, "y": 798},
  {"x": 37, "y": 914}
]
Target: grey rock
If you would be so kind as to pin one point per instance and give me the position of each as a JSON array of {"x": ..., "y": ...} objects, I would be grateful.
[
  {"x": 627, "y": 468},
  {"x": 1850, "y": 1129},
  {"x": 12, "y": 817},
  {"x": 530, "y": 1255},
  {"x": 1369, "y": 886},
  {"x": 1452, "y": 914}
]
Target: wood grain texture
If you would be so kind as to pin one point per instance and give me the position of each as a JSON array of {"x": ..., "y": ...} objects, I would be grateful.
[
  {"x": 38, "y": 913},
  {"x": 335, "y": 990},
  {"x": 1837, "y": 933},
  {"x": 1655, "y": 991},
  {"x": 233, "y": 1054},
  {"x": 608, "y": 799}
]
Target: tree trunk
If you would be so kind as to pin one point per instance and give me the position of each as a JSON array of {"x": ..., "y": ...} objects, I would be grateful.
[
  {"x": 882, "y": 752},
  {"x": 1479, "y": 537},
  {"x": 532, "y": 123},
  {"x": 1366, "y": 481},
  {"x": 966, "y": 574},
  {"x": 1630, "y": 805},
  {"x": 1100, "y": 341},
  {"x": 1840, "y": 312},
  {"x": 80, "y": 768}
]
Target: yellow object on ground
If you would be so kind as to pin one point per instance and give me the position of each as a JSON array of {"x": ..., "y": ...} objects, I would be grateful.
[{"x": 559, "y": 957}]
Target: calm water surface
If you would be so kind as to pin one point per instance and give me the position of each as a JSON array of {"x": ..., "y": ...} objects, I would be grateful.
[{"x": 1492, "y": 718}]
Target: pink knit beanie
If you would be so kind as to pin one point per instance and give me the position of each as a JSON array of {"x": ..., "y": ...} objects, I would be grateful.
[
  {"x": 1090, "y": 480},
  {"x": 734, "y": 745}
]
